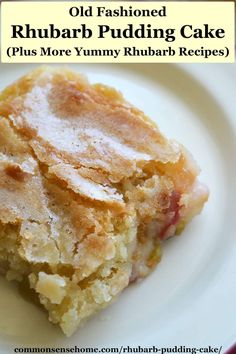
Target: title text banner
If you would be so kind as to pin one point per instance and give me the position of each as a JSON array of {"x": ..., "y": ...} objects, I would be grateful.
[{"x": 115, "y": 32}]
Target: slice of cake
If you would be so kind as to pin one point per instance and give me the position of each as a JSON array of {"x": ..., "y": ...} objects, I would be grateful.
[{"x": 89, "y": 189}]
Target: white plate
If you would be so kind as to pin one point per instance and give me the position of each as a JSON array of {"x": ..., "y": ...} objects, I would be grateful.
[{"x": 190, "y": 298}]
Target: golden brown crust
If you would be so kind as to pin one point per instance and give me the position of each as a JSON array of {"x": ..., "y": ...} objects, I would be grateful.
[
  {"x": 90, "y": 125},
  {"x": 88, "y": 189}
]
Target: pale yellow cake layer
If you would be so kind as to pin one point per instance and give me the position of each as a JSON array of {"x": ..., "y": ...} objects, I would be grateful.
[{"x": 89, "y": 189}]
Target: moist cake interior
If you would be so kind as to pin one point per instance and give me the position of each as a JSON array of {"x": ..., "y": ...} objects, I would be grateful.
[{"x": 89, "y": 189}]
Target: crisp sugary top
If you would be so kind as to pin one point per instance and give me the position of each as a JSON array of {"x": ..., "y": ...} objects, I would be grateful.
[{"x": 86, "y": 125}]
